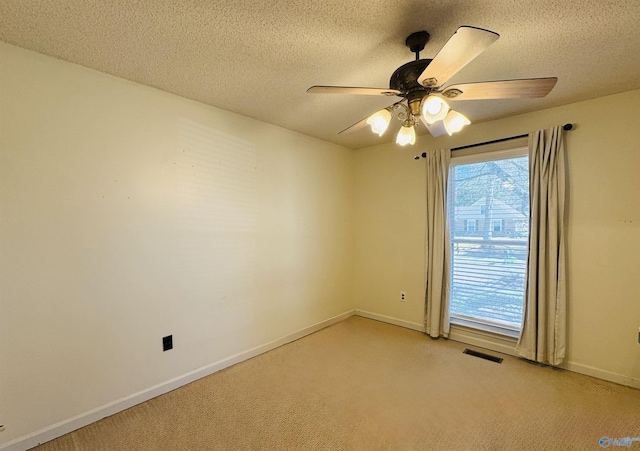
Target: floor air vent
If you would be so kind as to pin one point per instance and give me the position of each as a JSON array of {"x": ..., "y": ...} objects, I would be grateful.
[{"x": 482, "y": 355}]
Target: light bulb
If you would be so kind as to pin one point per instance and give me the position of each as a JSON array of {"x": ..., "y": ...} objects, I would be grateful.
[
  {"x": 454, "y": 122},
  {"x": 406, "y": 135},
  {"x": 433, "y": 109},
  {"x": 379, "y": 121}
]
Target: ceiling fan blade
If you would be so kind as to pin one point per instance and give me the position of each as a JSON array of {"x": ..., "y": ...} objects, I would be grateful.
[
  {"x": 460, "y": 49},
  {"x": 356, "y": 126},
  {"x": 502, "y": 89},
  {"x": 354, "y": 90},
  {"x": 363, "y": 122},
  {"x": 436, "y": 129}
]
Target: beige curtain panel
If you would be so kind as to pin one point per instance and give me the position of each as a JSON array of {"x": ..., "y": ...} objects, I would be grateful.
[
  {"x": 543, "y": 336},
  {"x": 436, "y": 322}
]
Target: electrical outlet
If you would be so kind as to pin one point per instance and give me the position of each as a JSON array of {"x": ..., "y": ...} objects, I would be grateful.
[
  {"x": 167, "y": 343},
  {"x": 403, "y": 296}
]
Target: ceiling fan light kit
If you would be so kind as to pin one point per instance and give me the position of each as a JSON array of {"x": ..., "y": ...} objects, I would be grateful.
[
  {"x": 406, "y": 135},
  {"x": 379, "y": 121},
  {"x": 454, "y": 122},
  {"x": 420, "y": 84},
  {"x": 433, "y": 109}
]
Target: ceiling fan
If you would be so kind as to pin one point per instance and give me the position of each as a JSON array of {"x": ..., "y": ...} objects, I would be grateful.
[{"x": 425, "y": 99}]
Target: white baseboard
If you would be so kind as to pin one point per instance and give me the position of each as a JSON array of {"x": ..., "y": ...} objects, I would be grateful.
[
  {"x": 602, "y": 374},
  {"x": 86, "y": 418},
  {"x": 390, "y": 320},
  {"x": 505, "y": 345},
  {"x": 462, "y": 334}
]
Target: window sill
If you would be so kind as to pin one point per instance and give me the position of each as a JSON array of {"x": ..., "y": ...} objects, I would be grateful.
[
  {"x": 503, "y": 331},
  {"x": 488, "y": 337}
]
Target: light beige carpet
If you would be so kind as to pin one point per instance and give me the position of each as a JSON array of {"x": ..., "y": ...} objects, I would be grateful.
[{"x": 362, "y": 384}]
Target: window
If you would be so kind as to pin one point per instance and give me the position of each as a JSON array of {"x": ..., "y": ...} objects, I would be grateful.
[
  {"x": 470, "y": 225},
  {"x": 488, "y": 268}
]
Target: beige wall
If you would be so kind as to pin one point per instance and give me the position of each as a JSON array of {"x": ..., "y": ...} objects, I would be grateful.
[
  {"x": 127, "y": 214},
  {"x": 603, "y": 227}
]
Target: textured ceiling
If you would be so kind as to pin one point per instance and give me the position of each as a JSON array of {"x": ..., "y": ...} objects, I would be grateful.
[{"x": 258, "y": 57}]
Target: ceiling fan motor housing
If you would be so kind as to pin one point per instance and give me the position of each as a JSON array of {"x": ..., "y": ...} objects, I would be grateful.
[{"x": 405, "y": 79}]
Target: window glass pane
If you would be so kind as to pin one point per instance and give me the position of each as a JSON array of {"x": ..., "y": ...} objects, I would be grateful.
[{"x": 489, "y": 227}]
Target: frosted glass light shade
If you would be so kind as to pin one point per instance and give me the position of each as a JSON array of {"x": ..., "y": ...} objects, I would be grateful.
[
  {"x": 379, "y": 121},
  {"x": 433, "y": 109},
  {"x": 454, "y": 122},
  {"x": 406, "y": 135}
]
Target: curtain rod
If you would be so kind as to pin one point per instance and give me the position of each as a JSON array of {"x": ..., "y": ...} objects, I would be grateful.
[{"x": 453, "y": 149}]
